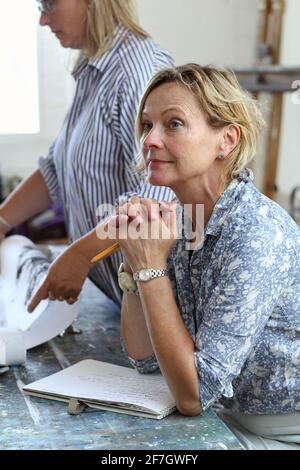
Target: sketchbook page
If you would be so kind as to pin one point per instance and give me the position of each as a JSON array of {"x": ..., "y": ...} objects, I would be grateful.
[
  {"x": 104, "y": 406},
  {"x": 132, "y": 409},
  {"x": 92, "y": 380},
  {"x": 23, "y": 268}
]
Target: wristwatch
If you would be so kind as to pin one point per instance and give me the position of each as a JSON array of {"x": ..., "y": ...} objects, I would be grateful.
[
  {"x": 126, "y": 281},
  {"x": 147, "y": 274}
]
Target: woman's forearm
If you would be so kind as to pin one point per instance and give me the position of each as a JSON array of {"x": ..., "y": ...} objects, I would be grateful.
[
  {"x": 134, "y": 329},
  {"x": 172, "y": 344},
  {"x": 29, "y": 198},
  {"x": 90, "y": 244},
  {"x": 151, "y": 324}
]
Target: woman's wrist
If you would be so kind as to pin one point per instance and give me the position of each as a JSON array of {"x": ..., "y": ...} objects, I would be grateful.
[
  {"x": 80, "y": 250},
  {"x": 151, "y": 264},
  {"x": 89, "y": 246},
  {"x": 4, "y": 224},
  {"x": 127, "y": 267}
]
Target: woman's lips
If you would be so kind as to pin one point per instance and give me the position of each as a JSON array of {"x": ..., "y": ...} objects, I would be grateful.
[{"x": 158, "y": 162}]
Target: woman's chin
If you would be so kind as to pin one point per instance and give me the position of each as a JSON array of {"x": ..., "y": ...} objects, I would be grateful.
[{"x": 157, "y": 180}]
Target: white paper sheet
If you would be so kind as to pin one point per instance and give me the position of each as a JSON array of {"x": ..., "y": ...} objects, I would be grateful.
[{"x": 23, "y": 268}]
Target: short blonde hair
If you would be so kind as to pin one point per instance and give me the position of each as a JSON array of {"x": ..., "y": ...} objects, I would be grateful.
[
  {"x": 102, "y": 18},
  {"x": 223, "y": 102}
]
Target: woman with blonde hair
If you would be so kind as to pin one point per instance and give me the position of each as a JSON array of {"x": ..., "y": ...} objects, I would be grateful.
[
  {"x": 212, "y": 286},
  {"x": 90, "y": 163}
]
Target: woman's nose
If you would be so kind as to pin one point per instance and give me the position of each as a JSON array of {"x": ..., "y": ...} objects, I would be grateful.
[
  {"x": 44, "y": 19},
  {"x": 153, "y": 139}
]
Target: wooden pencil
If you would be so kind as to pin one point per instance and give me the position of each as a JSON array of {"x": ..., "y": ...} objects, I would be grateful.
[{"x": 103, "y": 254}]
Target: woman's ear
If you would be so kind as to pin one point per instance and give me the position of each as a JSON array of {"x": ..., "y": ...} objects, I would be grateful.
[{"x": 230, "y": 139}]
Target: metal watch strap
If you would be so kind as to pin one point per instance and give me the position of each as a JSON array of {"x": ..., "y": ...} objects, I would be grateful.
[{"x": 153, "y": 274}]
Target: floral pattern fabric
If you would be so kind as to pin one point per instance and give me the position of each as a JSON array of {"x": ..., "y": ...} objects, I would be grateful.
[{"x": 239, "y": 297}]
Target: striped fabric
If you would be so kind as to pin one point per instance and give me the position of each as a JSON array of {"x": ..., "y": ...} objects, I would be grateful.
[{"x": 90, "y": 163}]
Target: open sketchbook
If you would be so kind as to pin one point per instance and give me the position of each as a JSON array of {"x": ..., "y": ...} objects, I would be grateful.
[
  {"x": 107, "y": 387},
  {"x": 23, "y": 267}
]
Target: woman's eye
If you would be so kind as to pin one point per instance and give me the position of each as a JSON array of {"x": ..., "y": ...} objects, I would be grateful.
[
  {"x": 175, "y": 124},
  {"x": 146, "y": 126}
]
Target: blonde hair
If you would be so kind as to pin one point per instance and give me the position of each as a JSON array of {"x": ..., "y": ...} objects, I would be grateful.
[
  {"x": 223, "y": 102},
  {"x": 102, "y": 18}
]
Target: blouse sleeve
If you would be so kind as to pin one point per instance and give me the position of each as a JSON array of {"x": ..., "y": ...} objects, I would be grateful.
[{"x": 143, "y": 366}]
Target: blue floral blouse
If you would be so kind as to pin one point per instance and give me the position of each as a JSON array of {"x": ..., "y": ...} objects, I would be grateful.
[{"x": 239, "y": 297}]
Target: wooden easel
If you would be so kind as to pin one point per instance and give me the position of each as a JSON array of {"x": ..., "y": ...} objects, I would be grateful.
[
  {"x": 269, "y": 41},
  {"x": 269, "y": 36},
  {"x": 268, "y": 76}
]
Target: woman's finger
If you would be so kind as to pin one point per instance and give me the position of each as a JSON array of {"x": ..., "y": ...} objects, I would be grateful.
[
  {"x": 71, "y": 300},
  {"x": 152, "y": 208},
  {"x": 41, "y": 294}
]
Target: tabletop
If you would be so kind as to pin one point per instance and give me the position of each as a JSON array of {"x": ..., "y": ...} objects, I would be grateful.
[{"x": 35, "y": 423}]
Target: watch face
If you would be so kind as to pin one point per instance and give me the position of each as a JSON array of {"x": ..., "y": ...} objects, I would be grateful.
[{"x": 145, "y": 275}]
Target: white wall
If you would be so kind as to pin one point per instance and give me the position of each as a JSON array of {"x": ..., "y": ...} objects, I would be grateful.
[
  {"x": 289, "y": 164},
  {"x": 204, "y": 31}
]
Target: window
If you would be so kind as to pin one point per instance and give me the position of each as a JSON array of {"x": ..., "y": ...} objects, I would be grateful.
[{"x": 19, "y": 98}]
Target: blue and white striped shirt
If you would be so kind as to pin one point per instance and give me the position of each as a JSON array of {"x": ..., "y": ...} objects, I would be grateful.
[{"x": 90, "y": 162}]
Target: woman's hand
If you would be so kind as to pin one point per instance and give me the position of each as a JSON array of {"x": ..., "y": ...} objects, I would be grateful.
[
  {"x": 65, "y": 278},
  {"x": 146, "y": 232}
]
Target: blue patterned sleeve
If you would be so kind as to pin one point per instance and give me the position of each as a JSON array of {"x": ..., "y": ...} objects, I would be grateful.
[
  {"x": 143, "y": 366},
  {"x": 249, "y": 284}
]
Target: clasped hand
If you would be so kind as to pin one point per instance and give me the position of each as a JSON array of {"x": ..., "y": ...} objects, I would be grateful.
[{"x": 146, "y": 231}]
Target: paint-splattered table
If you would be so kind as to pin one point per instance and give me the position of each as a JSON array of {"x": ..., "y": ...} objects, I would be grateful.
[{"x": 34, "y": 423}]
